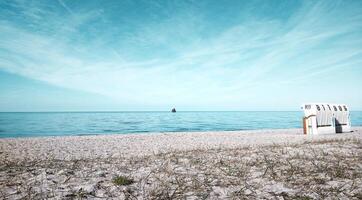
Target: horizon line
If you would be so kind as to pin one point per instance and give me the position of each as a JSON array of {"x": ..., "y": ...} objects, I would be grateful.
[
  {"x": 151, "y": 111},
  {"x": 119, "y": 111}
]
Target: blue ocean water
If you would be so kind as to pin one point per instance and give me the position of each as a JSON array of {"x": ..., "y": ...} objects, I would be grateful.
[{"x": 89, "y": 123}]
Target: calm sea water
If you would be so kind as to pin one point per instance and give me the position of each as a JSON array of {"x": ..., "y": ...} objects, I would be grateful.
[{"x": 88, "y": 123}]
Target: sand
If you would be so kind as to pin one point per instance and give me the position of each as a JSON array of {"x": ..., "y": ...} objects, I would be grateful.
[
  {"x": 213, "y": 165},
  {"x": 129, "y": 145}
]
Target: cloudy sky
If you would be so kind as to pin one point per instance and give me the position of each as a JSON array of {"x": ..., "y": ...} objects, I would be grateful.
[{"x": 69, "y": 55}]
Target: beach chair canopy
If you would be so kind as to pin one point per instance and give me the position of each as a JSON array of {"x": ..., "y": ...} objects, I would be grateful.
[{"x": 321, "y": 115}]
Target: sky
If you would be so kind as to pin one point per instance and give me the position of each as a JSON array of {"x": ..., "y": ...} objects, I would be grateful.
[{"x": 68, "y": 55}]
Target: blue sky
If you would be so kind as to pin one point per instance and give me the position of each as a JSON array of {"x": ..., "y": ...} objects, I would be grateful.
[{"x": 70, "y": 55}]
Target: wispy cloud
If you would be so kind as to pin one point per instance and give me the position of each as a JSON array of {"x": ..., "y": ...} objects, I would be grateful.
[
  {"x": 177, "y": 56},
  {"x": 61, "y": 2}
]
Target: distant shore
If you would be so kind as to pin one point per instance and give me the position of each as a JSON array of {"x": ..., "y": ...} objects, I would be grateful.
[{"x": 83, "y": 165}]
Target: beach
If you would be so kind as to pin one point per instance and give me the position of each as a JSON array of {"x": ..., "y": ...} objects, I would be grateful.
[{"x": 272, "y": 164}]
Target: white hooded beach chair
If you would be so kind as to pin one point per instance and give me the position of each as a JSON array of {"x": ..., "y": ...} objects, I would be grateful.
[{"x": 324, "y": 118}]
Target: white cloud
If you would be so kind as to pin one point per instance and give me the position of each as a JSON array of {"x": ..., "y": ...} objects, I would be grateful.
[{"x": 227, "y": 68}]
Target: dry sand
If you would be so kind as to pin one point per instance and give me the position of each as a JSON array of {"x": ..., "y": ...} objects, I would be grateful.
[{"x": 272, "y": 164}]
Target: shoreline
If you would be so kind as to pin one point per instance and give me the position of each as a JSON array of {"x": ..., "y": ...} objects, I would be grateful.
[{"x": 154, "y": 132}]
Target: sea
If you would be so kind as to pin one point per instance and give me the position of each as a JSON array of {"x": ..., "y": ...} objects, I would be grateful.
[{"x": 34, "y": 124}]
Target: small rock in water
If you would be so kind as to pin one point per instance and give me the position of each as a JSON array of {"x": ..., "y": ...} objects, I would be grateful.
[{"x": 173, "y": 110}]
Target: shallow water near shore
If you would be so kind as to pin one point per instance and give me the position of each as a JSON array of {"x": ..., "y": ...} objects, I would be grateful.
[{"x": 94, "y": 123}]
